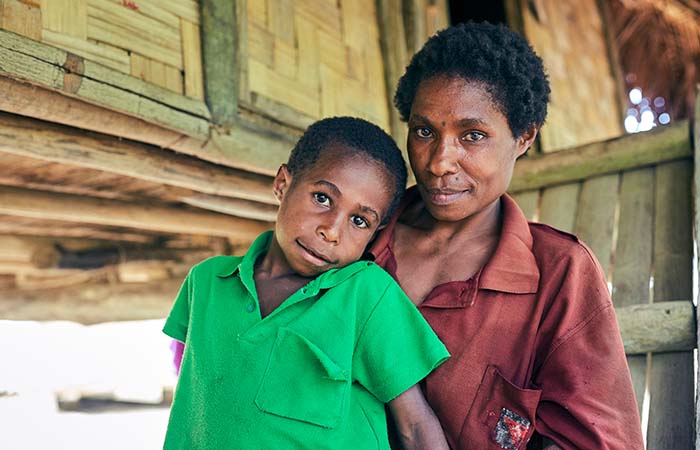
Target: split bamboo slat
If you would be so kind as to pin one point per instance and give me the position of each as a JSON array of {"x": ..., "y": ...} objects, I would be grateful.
[
  {"x": 671, "y": 381},
  {"x": 595, "y": 217},
  {"x": 155, "y": 40},
  {"x": 528, "y": 202},
  {"x": 309, "y": 59},
  {"x": 558, "y": 206},
  {"x": 633, "y": 257}
]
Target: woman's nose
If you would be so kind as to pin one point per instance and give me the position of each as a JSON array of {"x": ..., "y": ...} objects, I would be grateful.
[{"x": 444, "y": 158}]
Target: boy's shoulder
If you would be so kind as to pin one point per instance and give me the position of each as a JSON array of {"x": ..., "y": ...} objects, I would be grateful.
[{"x": 217, "y": 265}]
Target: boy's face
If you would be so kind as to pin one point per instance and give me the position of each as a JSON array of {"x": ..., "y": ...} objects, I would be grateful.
[{"x": 330, "y": 212}]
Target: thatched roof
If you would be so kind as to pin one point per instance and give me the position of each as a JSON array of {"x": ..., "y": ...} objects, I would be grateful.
[{"x": 659, "y": 48}]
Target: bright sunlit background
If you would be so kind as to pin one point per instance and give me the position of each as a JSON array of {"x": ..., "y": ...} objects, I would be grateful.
[{"x": 128, "y": 365}]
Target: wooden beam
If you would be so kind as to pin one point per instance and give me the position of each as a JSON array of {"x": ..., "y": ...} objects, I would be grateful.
[
  {"x": 32, "y": 81},
  {"x": 37, "y": 252},
  {"x": 92, "y": 302},
  {"x": 666, "y": 143},
  {"x": 233, "y": 206},
  {"x": 657, "y": 327},
  {"x": 57, "y": 143},
  {"x": 72, "y": 208}
]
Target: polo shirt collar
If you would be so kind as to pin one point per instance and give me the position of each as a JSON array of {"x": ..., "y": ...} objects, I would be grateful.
[
  {"x": 247, "y": 263},
  {"x": 245, "y": 267},
  {"x": 512, "y": 267}
]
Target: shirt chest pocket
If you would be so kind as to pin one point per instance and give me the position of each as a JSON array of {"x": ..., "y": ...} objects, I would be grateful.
[
  {"x": 302, "y": 382},
  {"x": 502, "y": 415}
]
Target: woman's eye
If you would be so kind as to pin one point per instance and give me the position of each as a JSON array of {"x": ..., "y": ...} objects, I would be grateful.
[
  {"x": 423, "y": 132},
  {"x": 359, "y": 222},
  {"x": 322, "y": 199},
  {"x": 474, "y": 136}
]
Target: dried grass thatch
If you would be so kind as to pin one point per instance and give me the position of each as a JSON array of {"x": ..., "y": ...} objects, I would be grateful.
[{"x": 659, "y": 45}]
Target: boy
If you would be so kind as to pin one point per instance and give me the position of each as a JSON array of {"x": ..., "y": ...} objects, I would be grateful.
[{"x": 297, "y": 344}]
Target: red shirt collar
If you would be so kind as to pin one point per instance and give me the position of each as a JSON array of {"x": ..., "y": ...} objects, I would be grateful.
[{"x": 512, "y": 268}]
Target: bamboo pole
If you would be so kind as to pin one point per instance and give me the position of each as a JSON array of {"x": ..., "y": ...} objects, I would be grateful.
[
  {"x": 665, "y": 143},
  {"x": 657, "y": 327}
]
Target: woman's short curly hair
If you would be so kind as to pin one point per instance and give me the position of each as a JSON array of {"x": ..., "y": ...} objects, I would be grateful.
[{"x": 492, "y": 54}]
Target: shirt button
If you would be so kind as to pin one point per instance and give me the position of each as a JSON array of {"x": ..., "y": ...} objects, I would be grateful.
[{"x": 251, "y": 307}]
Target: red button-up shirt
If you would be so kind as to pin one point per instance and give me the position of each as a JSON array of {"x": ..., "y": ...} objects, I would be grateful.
[{"x": 534, "y": 342}]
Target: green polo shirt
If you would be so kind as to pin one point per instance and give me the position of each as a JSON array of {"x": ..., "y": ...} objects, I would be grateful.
[{"x": 313, "y": 374}]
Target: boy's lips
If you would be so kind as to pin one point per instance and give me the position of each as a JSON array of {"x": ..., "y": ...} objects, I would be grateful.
[{"x": 314, "y": 256}]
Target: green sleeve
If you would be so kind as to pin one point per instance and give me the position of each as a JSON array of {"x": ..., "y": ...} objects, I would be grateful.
[
  {"x": 178, "y": 319},
  {"x": 396, "y": 348}
]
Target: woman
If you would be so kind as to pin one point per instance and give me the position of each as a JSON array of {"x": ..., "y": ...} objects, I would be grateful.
[{"x": 524, "y": 309}]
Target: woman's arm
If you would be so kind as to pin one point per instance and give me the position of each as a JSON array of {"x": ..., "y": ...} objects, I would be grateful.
[{"x": 416, "y": 423}]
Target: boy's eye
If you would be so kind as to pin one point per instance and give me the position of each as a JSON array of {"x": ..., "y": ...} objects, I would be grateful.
[
  {"x": 423, "y": 132},
  {"x": 474, "y": 136},
  {"x": 322, "y": 199},
  {"x": 360, "y": 222}
]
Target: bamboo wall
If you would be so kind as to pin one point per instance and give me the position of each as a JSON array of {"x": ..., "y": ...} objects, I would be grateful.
[
  {"x": 570, "y": 37},
  {"x": 155, "y": 40},
  {"x": 314, "y": 58}
]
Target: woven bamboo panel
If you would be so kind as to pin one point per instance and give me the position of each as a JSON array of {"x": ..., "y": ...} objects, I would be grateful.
[
  {"x": 307, "y": 59},
  {"x": 576, "y": 59},
  {"x": 155, "y": 40}
]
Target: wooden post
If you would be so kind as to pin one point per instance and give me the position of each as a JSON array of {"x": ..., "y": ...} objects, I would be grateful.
[{"x": 220, "y": 55}]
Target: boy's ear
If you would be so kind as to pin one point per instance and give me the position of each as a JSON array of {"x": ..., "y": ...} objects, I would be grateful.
[{"x": 281, "y": 183}]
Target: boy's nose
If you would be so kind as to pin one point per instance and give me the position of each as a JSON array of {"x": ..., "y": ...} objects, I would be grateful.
[{"x": 330, "y": 230}]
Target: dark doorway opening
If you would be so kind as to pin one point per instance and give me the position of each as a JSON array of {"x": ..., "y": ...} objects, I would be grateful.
[{"x": 490, "y": 11}]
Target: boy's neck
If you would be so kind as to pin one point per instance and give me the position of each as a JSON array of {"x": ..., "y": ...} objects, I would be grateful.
[{"x": 275, "y": 281}]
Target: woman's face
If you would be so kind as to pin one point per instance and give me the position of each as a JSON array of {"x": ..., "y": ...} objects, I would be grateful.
[{"x": 461, "y": 148}]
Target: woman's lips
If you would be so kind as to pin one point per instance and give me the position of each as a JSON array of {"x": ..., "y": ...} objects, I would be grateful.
[{"x": 444, "y": 197}]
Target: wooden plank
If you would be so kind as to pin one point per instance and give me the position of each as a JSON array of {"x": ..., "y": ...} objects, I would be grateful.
[
  {"x": 665, "y": 143},
  {"x": 73, "y": 208},
  {"x": 324, "y": 15},
  {"x": 595, "y": 219},
  {"x": 92, "y": 302},
  {"x": 657, "y": 327},
  {"x": 192, "y": 60},
  {"x": 633, "y": 258},
  {"x": 111, "y": 57},
  {"x": 153, "y": 10},
  {"x": 21, "y": 18},
  {"x": 185, "y": 9},
  {"x": 220, "y": 54},
  {"x": 65, "y": 16},
  {"x": 57, "y": 143},
  {"x": 156, "y": 72},
  {"x": 558, "y": 206},
  {"x": 671, "y": 380},
  {"x": 528, "y": 202}
]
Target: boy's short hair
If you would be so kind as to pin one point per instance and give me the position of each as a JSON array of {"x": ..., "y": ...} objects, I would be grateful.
[
  {"x": 359, "y": 136},
  {"x": 492, "y": 54}
]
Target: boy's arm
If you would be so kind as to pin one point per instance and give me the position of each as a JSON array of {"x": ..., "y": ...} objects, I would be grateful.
[{"x": 418, "y": 427}]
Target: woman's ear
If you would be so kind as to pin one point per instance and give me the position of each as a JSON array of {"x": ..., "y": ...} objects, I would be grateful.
[
  {"x": 281, "y": 183},
  {"x": 526, "y": 139}
]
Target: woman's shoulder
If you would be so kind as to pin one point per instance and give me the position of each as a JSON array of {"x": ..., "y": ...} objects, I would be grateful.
[{"x": 552, "y": 244}]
